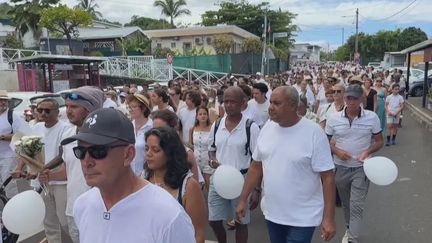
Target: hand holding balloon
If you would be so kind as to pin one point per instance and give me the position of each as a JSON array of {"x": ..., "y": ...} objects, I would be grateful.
[{"x": 380, "y": 170}]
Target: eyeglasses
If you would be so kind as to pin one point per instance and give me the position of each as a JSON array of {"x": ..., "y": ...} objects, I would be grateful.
[
  {"x": 46, "y": 110},
  {"x": 75, "y": 96},
  {"x": 337, "y": 91},
  {"x": 96, "y": 152}
]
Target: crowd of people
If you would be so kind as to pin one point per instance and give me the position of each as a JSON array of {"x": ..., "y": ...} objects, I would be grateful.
[{"x": 136, "y": 164}]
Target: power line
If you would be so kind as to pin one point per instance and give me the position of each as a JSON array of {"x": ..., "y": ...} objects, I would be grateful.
[{"x": 398, "y": 12}]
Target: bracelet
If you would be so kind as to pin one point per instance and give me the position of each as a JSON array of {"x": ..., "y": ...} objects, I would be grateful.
[{"x": 258, "y": 189}]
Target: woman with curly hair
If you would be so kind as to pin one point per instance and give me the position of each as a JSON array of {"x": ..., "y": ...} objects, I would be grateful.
[{"x": 167, "y": 166}]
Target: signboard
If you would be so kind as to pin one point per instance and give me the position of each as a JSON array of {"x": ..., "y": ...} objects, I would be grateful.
[
  {"x": 427, "y": 54},
  {"x": 169, "y": 58},
  {"x": 280, "y": 35},
  {"x": 60, "y": 85}
]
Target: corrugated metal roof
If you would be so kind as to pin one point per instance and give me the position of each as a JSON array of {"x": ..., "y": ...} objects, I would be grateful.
[
  {"x": 420, "y": 46},
  {"x": 110, "y": 33},
  {"x": 62, "y": 59},
  {"x": 201, "y": 30}
]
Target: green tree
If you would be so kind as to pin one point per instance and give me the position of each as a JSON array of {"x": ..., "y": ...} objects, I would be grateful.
[
  {"x": 148, "y": 23},
  {"x": 222, "y": 43},
  {"x": 90, "y": 7},
  {"x": 252, "y": 45},
  {"x": 172, "y": 8},
  {"x": 27, "y": 14},
  {"x": 5, "y": 11},
  {"x": 251, "y": 18},
  {"x": 342, "y": 54},
  {"x": 137, "y": 43},
  {"x": 161, "y": 52},
  {"x": 64, "y": 21},
  {"x": 12, "y": 41},
  {"x": 411, "y": 36}
]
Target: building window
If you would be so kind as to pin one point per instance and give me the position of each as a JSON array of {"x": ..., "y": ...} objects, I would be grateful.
[
  {"x": 104, "y": 44},
  {"x": 159, "y": 45},
  {"x": 187, "y": 45},
  {"x": 173, "y": 45}
]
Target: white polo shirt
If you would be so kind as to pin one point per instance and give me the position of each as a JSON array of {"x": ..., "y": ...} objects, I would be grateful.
[
  {"x": 292, "y": 159},
  {"x": 6, "y": 128},
  {"x": 354, "y": 138},
  {"x": 150, "y": 215},
  {"x": 394, "y": 102},
  {"x": 230, "y": 146}
]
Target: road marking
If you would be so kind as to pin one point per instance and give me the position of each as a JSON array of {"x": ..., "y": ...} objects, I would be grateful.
[
  {"x": 404, "y": 179},
  {"x": 210, "y": 241}
]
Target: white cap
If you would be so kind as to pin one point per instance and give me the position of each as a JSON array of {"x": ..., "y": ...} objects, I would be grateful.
[{"x": 258, "y": 73}]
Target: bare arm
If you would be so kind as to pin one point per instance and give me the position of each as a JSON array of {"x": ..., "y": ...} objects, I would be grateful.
[
  {"x": 195, "y": 207},
  {"x": 191, "y": 136},
  {"x": 375, "y": 146},
  {"x": 328, "y": 226},
  {"x": 56, "y": 161},
  {"x": 194, "y": 165},
  {"x": 375, "y": 103},
  {"x": 254, "y": 178}
]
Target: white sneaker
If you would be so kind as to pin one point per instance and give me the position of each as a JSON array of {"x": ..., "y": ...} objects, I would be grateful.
[{"x": 345, "y": 237}]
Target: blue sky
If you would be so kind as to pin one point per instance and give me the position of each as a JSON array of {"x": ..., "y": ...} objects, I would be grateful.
[{"x": 321, "y": 21}]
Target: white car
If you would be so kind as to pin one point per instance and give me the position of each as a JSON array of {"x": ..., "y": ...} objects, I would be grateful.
[
  {"x": 21, "y": 101},
  {"x": 416, "y": 75}
]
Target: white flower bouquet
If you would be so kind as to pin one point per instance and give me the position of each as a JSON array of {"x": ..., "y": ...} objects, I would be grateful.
[{"x": 31, "y": 151}]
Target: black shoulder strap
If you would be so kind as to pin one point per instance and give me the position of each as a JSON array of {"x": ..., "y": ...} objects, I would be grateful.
[
  {"x": 10, "y": 118},
  {"x": 217, "y": 123},
  {"x": 249, "y": 123}
]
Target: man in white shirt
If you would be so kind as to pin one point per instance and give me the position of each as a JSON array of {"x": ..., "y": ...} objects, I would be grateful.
[
  {"x": 9, "y": 124},
  {"x": 356, "y": 134},
  {"x": 228, "y": 147},
  {"x": 121, "y": 207},
  {"x": 79, "y": 103},
  {"x": 260, "y": 102},
  {"x": 293, "y": 159},
  {"x": 260, "y": 79},
  {"x": 52, "y": 129},
  {"x": 187, "y": 114}
]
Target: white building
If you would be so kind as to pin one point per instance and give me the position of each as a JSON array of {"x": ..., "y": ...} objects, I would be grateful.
[
  {"x": 184, "y": 40},
  {"x": 305, "y": 52}
]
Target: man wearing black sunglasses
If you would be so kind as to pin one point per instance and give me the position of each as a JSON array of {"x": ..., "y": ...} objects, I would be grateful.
[
  {"x": 134, "y": 209},
  {"x": 79, "y": 103}
]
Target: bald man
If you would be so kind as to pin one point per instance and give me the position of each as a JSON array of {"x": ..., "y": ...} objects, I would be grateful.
[
  {"x": 293, "y": 158},
  {"x": 227, "y": 142}
]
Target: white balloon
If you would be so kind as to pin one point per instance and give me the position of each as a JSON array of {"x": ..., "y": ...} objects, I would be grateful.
[
  {"x": 24, "y": 213},
  {"x": 380, "y": 170},
  {"x": 228, "y": 181}
]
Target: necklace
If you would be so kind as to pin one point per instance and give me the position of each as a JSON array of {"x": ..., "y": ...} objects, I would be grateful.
[{"x": 158, "y": 184}]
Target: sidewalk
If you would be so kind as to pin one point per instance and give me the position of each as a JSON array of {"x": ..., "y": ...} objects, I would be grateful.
[{"x": 420, "y": 114}]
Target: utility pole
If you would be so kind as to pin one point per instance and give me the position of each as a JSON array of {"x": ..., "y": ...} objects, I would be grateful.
[
  {"x": 263, "y": 58},
  {"x": 343, "y": 35},
  {"x": 356, "y": 37}
]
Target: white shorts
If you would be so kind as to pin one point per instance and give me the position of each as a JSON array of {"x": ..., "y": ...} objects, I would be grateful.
[
  {"x": 393, "y": 119},
  {"x": 221, "y": 208}
]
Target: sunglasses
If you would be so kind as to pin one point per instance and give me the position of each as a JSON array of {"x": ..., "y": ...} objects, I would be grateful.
[
  {"x": 96, "y": 152},
  {"x": 337, "y": 91},
  {"x": 75, "y": 97},
  {"x": 46, "y": 110}
]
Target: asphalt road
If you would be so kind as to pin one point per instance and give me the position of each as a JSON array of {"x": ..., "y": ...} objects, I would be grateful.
[{"x": 398, "y": 213}]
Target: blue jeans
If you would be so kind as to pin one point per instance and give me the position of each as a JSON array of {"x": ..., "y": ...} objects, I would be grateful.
[{"x": 289, "y": 234}]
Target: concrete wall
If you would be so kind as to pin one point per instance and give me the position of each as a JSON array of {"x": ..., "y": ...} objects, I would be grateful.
[{"x": 9, "y": 80}]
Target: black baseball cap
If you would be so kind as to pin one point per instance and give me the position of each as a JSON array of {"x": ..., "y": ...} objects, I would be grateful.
[{"x": 104, "y": 126}]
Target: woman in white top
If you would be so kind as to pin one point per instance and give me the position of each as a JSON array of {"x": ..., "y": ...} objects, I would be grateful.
[
  {"x": 167, "y": 167},
  {"x": 199, "y": 139},
  {"x": 139, "y": 109},
  {"x": 159, "y": 99}
]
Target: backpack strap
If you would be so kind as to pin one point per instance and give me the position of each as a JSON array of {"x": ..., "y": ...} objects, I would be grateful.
[
  {"x": 10, "y": 118},
  {"x": 249, "y": 123},
  {"x": 217, "y": 123}
]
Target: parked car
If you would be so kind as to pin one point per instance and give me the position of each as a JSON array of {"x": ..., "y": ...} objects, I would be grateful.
[
  {"x": 415, "y": 74},
  {"x": 416, "y": 87},
  {"x": 21, "y": 101}
]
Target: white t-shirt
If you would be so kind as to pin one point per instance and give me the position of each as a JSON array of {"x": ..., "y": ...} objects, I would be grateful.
[
  {"x": 292, "y": 159},
  {"x": 76, "y": 184},
  {"x": 6, "y": 128},
  {"x": 51, "y": 138},
  {"x": 187, "y": 118},
  {"x": 394, "y": 102},
  {"x": 269, "y": 91},
  {"x": 150, "y": 215},
  {"x": 109, "y": 103},
  {"x": 250, "y": 113},
  {"x": 230, "y": 146},
  {"x": 261, "y": 110},
  {"x": 137, "y": 163},
  {"x": 155, "y": 108}
]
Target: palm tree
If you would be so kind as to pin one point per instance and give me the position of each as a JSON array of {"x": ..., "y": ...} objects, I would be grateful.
[
  {"x": 172, "y": 8},
  {"x": 90, "y": 6}
]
